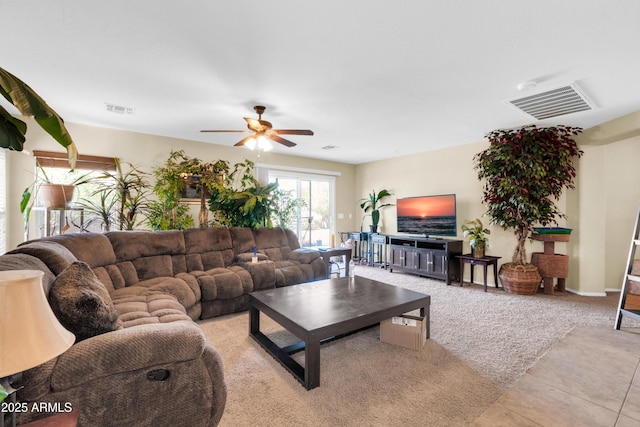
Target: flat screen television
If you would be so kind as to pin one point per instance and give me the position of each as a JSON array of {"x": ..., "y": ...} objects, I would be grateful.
[{"x": 427, "y": 215}]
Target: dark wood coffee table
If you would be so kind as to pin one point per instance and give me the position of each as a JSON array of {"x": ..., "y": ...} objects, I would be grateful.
[{"x": 319, "y": 311}]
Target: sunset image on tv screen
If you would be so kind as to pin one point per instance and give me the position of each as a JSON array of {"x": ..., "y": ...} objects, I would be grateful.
[{"x": 429, "y": 215}]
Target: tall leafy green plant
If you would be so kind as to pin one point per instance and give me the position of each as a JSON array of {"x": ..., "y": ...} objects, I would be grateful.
[
  {"x": 374, "y": 203},
  {"x": 130, "y": 190},
  {"x": 161, "y": 217},
  {"x": 166, "y": 213},
  {"x": 29, "y": 104},
  {"x": 240, "y": 201},
  {"x": 100, "y": 207},
  {"x": 525, "y": 172},
  {"x": 177, "y": 173},
  {"x": 286, "y": 207},
  {"x": 119, "y": 198}
]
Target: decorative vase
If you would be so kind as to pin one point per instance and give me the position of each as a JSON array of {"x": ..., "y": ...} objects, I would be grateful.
[
  {"x": 520, "y": 279},
  {"x": 373, "y": 228},
  {"x": 477, "y": 251},
  {"x": 56, "y": 195}
]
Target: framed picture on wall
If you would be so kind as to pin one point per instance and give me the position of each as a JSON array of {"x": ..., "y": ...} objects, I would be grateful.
[{"x": 191, "y": 193}]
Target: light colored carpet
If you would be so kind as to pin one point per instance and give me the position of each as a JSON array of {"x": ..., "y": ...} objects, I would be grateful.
[{"x": 481, "y": 343}]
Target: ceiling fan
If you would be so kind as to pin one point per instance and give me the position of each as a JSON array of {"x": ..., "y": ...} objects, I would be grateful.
[{"x": 263, "y": 130}]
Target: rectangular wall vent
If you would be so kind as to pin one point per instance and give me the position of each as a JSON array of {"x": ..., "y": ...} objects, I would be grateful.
[
  {"x": 556, "y": 102},
  {"x": 118, "y": 109}
]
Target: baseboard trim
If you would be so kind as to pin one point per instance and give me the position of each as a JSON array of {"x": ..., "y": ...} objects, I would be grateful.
[
  {"x": 588, "y": 294},
  {"x": 573, "y": 291}
]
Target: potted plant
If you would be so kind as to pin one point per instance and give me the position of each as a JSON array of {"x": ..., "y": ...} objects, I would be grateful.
[
  {"x": 181, "y": 172},
  {"x": 167, "y": 213},
  {"x": 374, "y": 203},
  {"x": 241, "y": 201},
  {"x": 525, "y": 172},
  {"x": 117, "y": 198},
  {"x": 475, "y": 231},
  {"x": 51, "y": 194}
]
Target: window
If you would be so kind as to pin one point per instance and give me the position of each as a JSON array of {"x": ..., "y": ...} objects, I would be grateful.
[
  {"x": 315, "y": 221},
  {"x": 85, "y": 214}
]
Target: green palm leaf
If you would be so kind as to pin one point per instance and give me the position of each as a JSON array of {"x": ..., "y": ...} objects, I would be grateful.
[{"x": 30, "y": 104}]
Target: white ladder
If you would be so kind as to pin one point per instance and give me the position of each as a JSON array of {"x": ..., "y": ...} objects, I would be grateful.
[{"x": 635, "y": 242}]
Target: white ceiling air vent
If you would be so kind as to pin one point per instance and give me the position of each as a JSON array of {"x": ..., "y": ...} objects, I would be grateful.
[
  {"x": 552, "y": 103},
  {"x": 118, "y": 109}
]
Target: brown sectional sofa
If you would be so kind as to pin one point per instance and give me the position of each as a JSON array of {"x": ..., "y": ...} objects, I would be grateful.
[{"x": 159, "y": 283}]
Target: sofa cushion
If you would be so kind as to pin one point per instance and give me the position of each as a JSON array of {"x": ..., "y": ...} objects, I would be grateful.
[
  {"x": 132, "y": 245},
  {"x": 291, "y": 273},
  {"x": 304, "y": 256},
  {"x": 177, "y": 287},
  {"x": 92, "y": 248},
  {"x": 137, "y": 305},
  {"x": 54, "y": 255},
  {"x": 243, "y": 240},
  {"x": 81, "y": 302},
  {"x": 273, "y": 242},
  {"x": 27, "y": 262}
]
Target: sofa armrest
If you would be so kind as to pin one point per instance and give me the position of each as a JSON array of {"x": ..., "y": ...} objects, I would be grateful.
[
  {"x": 304, "y": 256},
  {"x": 127, "y": 350}
]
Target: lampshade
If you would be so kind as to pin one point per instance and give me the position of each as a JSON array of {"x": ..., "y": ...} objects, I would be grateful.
[{"x": 30, "y": 333}]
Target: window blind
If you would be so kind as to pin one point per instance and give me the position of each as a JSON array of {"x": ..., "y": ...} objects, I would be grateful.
[{"x": 50, "y": 159}]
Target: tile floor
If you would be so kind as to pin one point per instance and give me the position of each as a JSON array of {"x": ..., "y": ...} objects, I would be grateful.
[{"x": 590, "y": 378}]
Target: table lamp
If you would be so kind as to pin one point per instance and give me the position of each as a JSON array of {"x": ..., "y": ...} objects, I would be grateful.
[{"x": 30, "y": 333}]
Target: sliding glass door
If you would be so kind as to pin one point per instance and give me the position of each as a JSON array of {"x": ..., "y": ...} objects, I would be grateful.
[{"x": 314, "y": 221}]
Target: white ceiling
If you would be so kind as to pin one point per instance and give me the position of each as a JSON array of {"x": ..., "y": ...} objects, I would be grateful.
[{"x": 374, "y": 78}]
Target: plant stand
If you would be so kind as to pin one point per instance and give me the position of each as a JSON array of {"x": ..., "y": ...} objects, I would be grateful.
[{"x": 550, "y": 264}]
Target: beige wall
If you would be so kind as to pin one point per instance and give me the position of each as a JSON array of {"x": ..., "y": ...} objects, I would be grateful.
[
  {"x": 147, "y": 151},
  {"x": 622, "y": 200},
  {"x": 601, "y": 210},
  {"x": 438, "y": 172}
]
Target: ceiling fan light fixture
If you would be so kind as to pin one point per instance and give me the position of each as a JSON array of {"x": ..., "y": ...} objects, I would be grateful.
[
  {"x": 251, "y": 144},
  {"x": 264, "y": 144},
  {"x": 258, "y": 142}
]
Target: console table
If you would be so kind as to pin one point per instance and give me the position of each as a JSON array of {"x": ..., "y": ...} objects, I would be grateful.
[
  {"x": 425, "y": 256},
  {"x": 484, "y": 262},
  {"x": 369, "y": 246}
]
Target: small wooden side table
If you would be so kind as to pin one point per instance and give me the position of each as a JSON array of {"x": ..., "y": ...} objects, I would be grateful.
[
  {"x": 484, "y": 262},
  {"x": 327, "y": 253}
]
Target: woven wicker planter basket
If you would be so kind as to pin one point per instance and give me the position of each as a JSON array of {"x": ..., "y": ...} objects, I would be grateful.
[{"x": 520, "y": 279}]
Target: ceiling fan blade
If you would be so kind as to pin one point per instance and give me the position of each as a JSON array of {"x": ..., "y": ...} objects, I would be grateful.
[
  {"x": 282, "y": 141},
  {"x": 243, "y": 141},
  {"x": 209, "y": 130},
  {"x": 292, "y": 131},
  {"x": 256, "y": 125}
]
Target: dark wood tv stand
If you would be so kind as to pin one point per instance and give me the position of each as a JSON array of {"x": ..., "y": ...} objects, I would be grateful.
[{"x": 426, "y": 256}]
